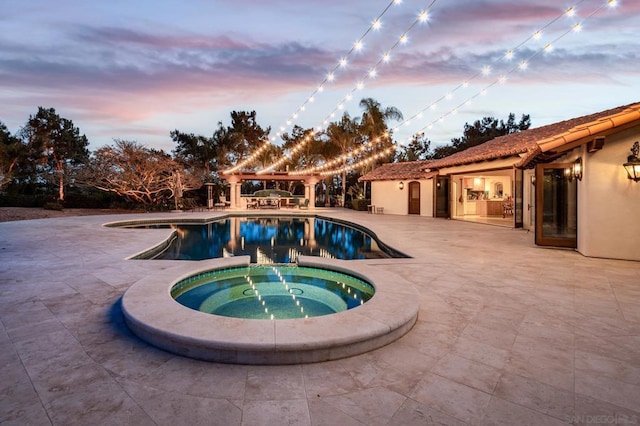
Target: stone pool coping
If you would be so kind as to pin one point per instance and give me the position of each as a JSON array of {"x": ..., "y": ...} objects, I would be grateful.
[{"x": 154, "y": 316}]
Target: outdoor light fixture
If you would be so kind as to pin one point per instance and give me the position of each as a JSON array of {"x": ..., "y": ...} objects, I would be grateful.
[
  {"x": 401, "y": 185},
  {"x": 576, "y": 169},
  {"x": 632, "y": 166}
]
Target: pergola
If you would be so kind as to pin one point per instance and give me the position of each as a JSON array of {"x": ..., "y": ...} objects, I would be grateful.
[{"x": 235, "y": 179}]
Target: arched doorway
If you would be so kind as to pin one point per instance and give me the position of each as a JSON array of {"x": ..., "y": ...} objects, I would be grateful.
[{"x": 414, "y": 198}]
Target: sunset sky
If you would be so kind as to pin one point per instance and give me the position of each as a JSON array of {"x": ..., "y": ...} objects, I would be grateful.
[{"x": 137, "y": 70}]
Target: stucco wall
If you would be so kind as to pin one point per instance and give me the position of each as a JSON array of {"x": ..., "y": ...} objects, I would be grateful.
[
  {"x": 395, "y": 201},
  {"x": 609, "y": 202}
]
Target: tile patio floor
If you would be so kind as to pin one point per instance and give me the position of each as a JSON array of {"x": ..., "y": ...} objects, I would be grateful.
[{"x": 508, "y": 333}]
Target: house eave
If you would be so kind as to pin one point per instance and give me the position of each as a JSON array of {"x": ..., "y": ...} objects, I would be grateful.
[{"x": 586, "y": 132}]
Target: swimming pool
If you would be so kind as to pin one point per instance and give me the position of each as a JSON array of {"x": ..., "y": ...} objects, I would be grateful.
[
  {"x": 202, "y": 327},
  {"x": 267, "y": 239}
]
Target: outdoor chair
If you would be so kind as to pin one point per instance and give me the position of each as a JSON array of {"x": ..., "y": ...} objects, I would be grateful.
[
  {"x": 221, "y": 204},
  {"x": 507, "y": 208},
  {"x": 304, "y": 205}
]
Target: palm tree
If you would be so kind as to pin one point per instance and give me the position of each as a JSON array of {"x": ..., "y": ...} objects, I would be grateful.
[
  {"x": 374, "y": 118},
  {"x": 266, "y": 157},
  {"x": 344, "y": 136},
  {"x": 373, "y": 124}
]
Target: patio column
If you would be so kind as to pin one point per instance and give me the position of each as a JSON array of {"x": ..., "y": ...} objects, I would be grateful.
[
  {"x": 209, "y": 195},
  {"x": 310, "y": 190},
  {"x": 234, "y": 192}
]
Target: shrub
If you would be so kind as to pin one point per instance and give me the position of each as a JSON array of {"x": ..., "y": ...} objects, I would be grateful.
[
  {"x": 53, "y": 206},
  {"x": 360, "y": 204},
  {"x": 269, "y": 192}
]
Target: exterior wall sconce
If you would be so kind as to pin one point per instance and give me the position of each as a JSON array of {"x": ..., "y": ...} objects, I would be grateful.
[
  {"x": 401, "y": 185},
  {"x": 632, "y": 166},
  {"x": 574, "y": 171}
]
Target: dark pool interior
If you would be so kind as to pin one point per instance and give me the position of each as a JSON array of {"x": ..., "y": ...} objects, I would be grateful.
[{"x": 268, "y": 240}]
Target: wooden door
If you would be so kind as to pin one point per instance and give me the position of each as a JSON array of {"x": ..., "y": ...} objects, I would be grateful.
[{"x": 414, "y": 197}]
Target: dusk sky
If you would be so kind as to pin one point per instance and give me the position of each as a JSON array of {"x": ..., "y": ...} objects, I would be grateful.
[{"x": 136, "y": 70}]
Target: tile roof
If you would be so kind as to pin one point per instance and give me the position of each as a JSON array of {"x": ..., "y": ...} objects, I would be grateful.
[
  {"x": 397, "y": 171},
  {"x": 527, "y": 144}
]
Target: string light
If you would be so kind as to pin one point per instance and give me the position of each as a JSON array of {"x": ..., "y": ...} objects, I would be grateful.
[
  {"x": 372, "y": 73},
  {"x": 357, "y": 46},
  {"x": 361, "y": 163},
  {"x": 341, "y": 159},
  {"x": 521, "y": 66},
  {"x": 266, "y": 145},
  {"x": 508, "y": 56},
  {"x": 319, "y": 89},
  {"x": 570, "y": 12}
]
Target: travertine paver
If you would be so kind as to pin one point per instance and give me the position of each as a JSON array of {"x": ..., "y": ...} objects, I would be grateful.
[{"x": 507, "y": 334}]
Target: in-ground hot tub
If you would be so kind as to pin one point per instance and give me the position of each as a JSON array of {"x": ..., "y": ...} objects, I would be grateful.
[
  {"x": 272, "y": 292},
  {"x": 155, "y": 316}
]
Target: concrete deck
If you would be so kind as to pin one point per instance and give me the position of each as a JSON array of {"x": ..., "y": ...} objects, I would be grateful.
[{"x": 507, "y": 333}]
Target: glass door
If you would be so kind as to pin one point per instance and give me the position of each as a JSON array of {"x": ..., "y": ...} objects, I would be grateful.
[
  {"x": 442, "y": 197},
  {"x": 556, "y": 206},
  {"x": 518, "y": 197}
]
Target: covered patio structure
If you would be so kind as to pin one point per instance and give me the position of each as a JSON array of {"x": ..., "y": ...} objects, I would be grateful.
[{"x": 235, "y": 182}]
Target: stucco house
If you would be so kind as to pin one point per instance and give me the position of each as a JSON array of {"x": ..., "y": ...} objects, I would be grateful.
[{"x": 566, "y": 181}]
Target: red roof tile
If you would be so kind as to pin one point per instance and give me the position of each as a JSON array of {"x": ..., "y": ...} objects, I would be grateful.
[
  {"x": 526, "y": 142},
  {"x": 397, "y": 171}
]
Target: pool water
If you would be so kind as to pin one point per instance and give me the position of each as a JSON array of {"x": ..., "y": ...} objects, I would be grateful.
[
  {"x": 269, "y": 240},
  {"x": 272, "y": 292}
]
